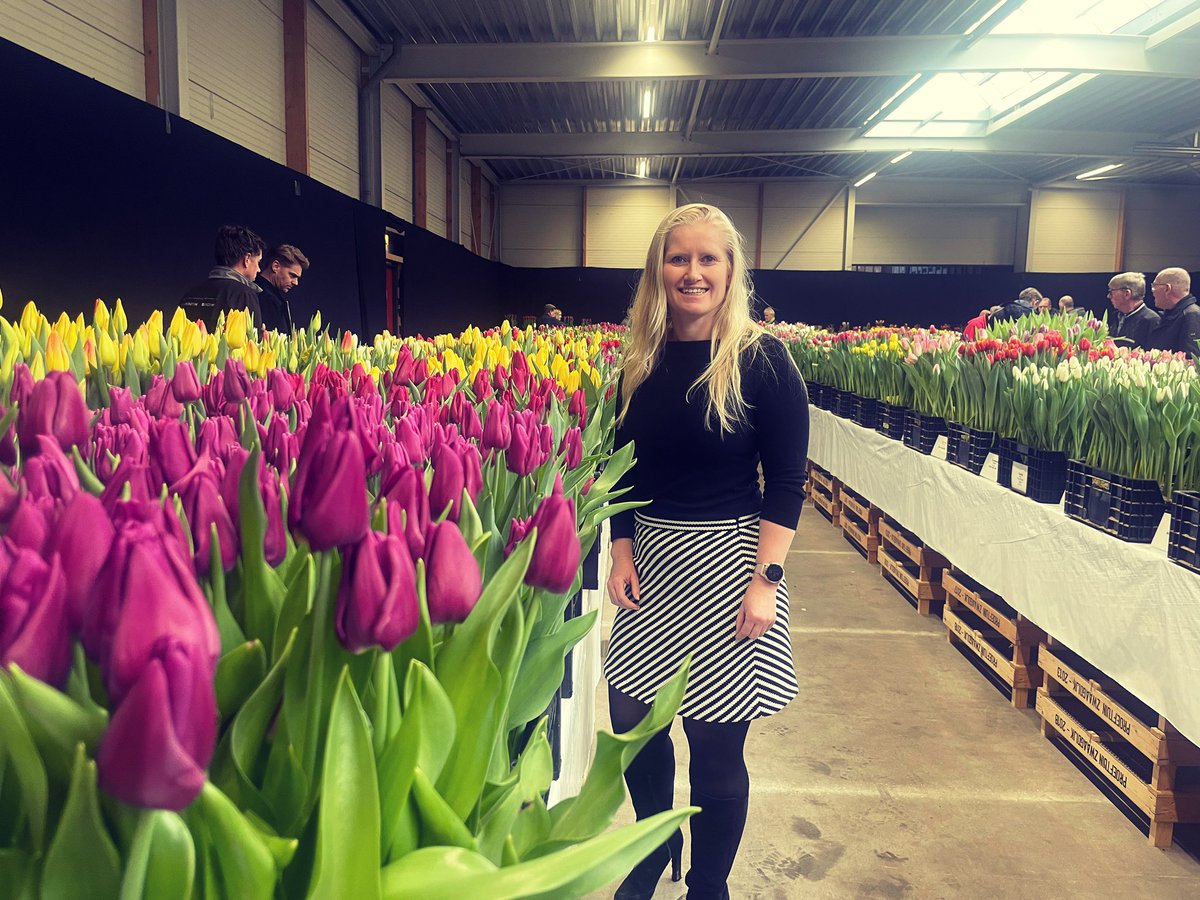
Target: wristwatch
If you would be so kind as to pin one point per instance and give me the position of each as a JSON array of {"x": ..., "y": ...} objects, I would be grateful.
[{"x": 772, "y": 572}]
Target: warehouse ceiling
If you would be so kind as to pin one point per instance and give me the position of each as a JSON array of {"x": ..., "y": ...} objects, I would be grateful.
[{"x": 1036, "y": 91}]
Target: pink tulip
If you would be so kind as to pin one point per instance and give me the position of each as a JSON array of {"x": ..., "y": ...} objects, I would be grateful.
[
  {"x": 55, "y": 408},
  {"x": 452, "y": 581},
  {"x": 82, "y": 540},
  {"x": 185, "y": 385},
  {"x": 556, "y": 554},
  {"x": 377, "y": 604}
]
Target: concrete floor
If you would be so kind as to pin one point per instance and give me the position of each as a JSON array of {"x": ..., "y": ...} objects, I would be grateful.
[{"x": 900, "y": 771}]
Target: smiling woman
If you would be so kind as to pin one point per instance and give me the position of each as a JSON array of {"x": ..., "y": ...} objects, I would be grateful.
[{"x": 696, "y": 275}]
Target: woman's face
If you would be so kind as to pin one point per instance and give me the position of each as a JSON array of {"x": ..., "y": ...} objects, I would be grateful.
[{"x": 696, "y": 275}]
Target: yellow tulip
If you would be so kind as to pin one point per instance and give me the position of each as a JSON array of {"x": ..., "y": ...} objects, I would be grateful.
[
  {"x": 100, "y": 316},
  {"x": 120, "y": 322},
  {"x": 89, "y": 354},
  {"x": 30, "y": 318},
  {"x": 106, "y": 348},
  {"x": 178, "y": 321},
  {"x": 235, "y": 328},
  {"x": 57, "y": 358},
  {"x": 141, "y": 349},
  {"x": 37, "y": 368}
]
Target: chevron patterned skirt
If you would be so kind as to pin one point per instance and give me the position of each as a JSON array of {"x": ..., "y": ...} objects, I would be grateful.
[{"x": 693, "y": 576}]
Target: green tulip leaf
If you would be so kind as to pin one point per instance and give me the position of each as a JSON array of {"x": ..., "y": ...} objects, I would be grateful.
[
  {"x": 263, "y": 591},
  {"x": 161, "y": 860},
  {"x": 440, "y": 825},
  {"x": 82, "y": 861},
  {"x": 240, "y": 859},
  {"x": 530, "y": 779},
  {"x": 56, "y": 722},
  {"x": 297, "y": 603},
  {"x": 347, "y": 858},
  {"x": 239, "y": 673},
  {"x": 251, "y": 722},
  {"x": 18, "y": 874},
  {"x": 17, "y": 746},
  {"x": 542, "y": 670},
  {"x": 447, "y": 873}
]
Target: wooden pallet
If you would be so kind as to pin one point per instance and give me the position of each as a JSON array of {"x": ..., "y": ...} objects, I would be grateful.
[
  {"x": 860, "y": 524},
  {"x": 911, "y": 567},
  {"x": 1003, "y": 640},
  {"x": 826, "y": 493},
  {"x": 1140, "y": 760}
]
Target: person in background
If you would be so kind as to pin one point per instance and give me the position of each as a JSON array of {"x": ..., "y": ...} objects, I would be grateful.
[
  {"x": 551, "y": 315},
  {"x": 1066, "y": 306},
  {"x": 282, "y": 267},
  {"x": 1043, "y": 305},
  {"x": 1135, "y": 320},
  {"x": 1178, "y": 329},
  {"x": 975, "y": 324},
  {"x": 769, "y": 316},
  {"x": 705, "y": 395},
  {"x": 1022, "y": 306},
  {"x": 230, "y": 284}
]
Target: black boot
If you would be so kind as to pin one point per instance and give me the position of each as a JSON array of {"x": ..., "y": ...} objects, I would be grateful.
[
  {"x": 651, "y": 782},
  {"x": 643, "y": 879},
  {"x": 716, "y": 834}
]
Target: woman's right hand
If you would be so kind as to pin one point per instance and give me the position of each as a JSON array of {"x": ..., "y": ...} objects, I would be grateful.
[{"x": 622, "y": 575}]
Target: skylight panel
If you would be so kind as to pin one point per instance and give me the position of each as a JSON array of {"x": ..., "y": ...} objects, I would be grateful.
[{"x": 1074, "y": 16}]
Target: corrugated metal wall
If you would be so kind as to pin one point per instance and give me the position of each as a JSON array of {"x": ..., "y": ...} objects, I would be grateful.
[
  {"x": 435, "y": 173},
  {"x": 967, "y": 235},
  {"x": 397, "y": 153},
  {"x": 333, "y": 65},
  {"x": 620, "y": 223},
  {"x": 235, "y": 72},
  {"x": 790, "y": 209},
  {"x": 738, "y": 201},
  {"x": 99, "y": 38}
]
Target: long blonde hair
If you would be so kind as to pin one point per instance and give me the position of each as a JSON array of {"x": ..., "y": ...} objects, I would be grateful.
[{"x": 733, "y": 328}]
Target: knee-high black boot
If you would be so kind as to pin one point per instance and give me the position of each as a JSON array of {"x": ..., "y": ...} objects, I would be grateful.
[
  {"x": 651, "y": 791},
  {"x": 716, "y": 834}
]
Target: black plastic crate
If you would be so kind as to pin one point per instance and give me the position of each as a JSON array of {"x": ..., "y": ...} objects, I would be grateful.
[
  {"x": 865, "y": 411},
  {"x": 891, "y": 420},
  {"x": 1041, "y": 475},
  {"x": 816, "y": 394},
  {"x": 1184, "y": 544},
  {"x": 967, "y": 447},
  {"x": 921, "y": 431},
  {"x": 843, "y": 403},
  {"x": 1127, "y": 508}
]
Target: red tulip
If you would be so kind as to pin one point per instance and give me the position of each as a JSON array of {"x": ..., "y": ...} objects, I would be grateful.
[
  {"x": 377, "y": 604},
  {"x": 578, "y": 406},
  {"x": 452, "y": 580}
]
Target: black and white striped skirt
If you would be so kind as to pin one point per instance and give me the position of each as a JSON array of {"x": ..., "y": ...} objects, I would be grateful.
[{"x": 693, "y": 576}]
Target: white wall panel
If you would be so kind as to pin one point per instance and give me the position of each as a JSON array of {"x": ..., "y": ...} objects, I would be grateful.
[
  {"x": 397, "y": 153},
  {"x": 465, "y": 224},
  {"x": 1073, "y": 230},
  {"x": 332, "y": 104},
  {"x": 738, "y": 201},
  {"x": 98, "y": 38},
  {"x": 893, "y": 190},
  {"x": 491, "y": 227},
  {"x": 621, "y": 223},
  {"x": 542, "y": 225},
  {"x": 435, "y": 176},
  {"x": 951, "y": 235},
  {"x": 1161, "y": 230},
  {"x": 235, "y": 66},
  {"x": 790, "y": 209}
]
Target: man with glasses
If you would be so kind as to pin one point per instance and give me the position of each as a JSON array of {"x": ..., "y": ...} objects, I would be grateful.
[
  {"x": 1179, "y": 325},
  {"x": 1135, "y": 320}
]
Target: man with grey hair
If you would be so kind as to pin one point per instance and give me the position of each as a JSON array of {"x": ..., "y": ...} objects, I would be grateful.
[
  {"x": 1024, "y": 305},
  {"x": 1135, "y": 320},
  {"x": 1179, "y": 322}
]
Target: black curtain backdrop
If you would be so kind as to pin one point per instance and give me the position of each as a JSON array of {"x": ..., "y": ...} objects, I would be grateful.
[{"x": 102, "y": 195}]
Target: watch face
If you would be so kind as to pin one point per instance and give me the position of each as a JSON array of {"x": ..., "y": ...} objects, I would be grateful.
[{"x": 774, "y": 572}]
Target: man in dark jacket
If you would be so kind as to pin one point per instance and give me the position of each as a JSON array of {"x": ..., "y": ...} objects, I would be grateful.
[
  {"x": 281, "y": 271},
  {"x": 1179, "y": 321},
  {"x": 1135, "y": 320},
  {"x": 1022, "y": 306},
  {"x": 230, "y": 284}
]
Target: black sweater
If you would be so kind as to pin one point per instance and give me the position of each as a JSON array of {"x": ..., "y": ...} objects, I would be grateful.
[{"x": 691, "y": 473}]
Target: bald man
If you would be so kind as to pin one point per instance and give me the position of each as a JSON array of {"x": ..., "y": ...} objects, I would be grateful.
[{"x": 1179, "y": 316}]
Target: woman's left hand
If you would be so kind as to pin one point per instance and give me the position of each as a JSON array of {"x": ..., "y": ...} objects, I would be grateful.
[{"x": 757, "y": 613}]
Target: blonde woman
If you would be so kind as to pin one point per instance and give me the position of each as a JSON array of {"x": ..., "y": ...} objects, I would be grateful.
[{"x": 707, "y": 397}]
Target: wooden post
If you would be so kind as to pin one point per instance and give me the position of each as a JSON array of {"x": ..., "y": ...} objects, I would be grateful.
[
  {"x": 1119, "y": 254},
  {"x": 452, "y": 175},
  {"x": 583, "y": 229},
  {"x": 420, "y": 126},
  {"x": 758, "y": 234},
  {"x": 476, "y": 210},
  {"x": 150, "y": 49},
  {"x": 295, "y": 83}
]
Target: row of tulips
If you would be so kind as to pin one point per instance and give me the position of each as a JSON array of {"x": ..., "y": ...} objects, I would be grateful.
[
  {"x": 1055, "y": 383},
  {"x": 280, "y": 616}
]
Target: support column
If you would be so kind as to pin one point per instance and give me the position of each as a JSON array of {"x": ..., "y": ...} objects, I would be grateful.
[
  {"x": 1119, "y": 254},
  {"x": 295, "y": 83},
  {"x": 758, "y": 230},
  {"x": 171, "y": 55},
  {"x": 370, "y": 142},
  {"x": 420, "y": 154},
  {"x": 848, "y": 234},
  {"x": 476, "y": 210},
  {"x": 583, "y": 229},
  {"x": 453, "y": 193},
  {"x": 150, "y": 49}
]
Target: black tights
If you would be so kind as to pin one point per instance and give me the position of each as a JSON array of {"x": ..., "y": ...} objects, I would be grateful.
[{"x": 718, "y": 766}]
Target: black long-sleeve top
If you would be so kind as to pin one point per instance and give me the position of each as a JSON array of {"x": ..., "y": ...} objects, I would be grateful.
[{"x": 691, "y": 473}]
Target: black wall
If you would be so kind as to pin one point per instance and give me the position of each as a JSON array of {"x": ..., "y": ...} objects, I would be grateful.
[{"x": 102, "y": 195}]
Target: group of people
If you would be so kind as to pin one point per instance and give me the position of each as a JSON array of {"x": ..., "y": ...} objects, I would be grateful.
[
  {"x": 1174, "y": 323},
  {"x": 247, "y": 276}
]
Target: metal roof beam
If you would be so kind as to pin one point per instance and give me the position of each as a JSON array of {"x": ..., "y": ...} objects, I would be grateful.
[
  {"x": 791, "y": 58},
  {"x": 785, "y": 143}
]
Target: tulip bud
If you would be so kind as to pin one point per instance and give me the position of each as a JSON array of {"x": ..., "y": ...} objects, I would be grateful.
[
  {"x": 29, "y": 526},
  {"x": 200, "y": 493},
  {"x": 329, "y": 495},
  {"x": 578, "y": 406},
  {"x": 34, "y": 632},
  {"x": 279, "y": 446},
  {"x": 217, "y": 433},
  {"x": 452, "y": 582},
  {"x": 22, "y": 385},
  {"x": 236, "y": 384},
  {"x": 556, "y": 554},
  {"x": 481, "y": 387},
  {"x": 82, "y": 540},
  {"x": 517, "y": 532},
  {"x": 50, "y": 474},
  {"x": 171, "y": 453},
  {"x": 377, "y": 604},
  {"x": 283, "y": 394},
  {"x": 448, "y": 481},
  {"x": 409, "y": 435},
  {"x": 570, "y": 448},
  {"x": 55, "y": 408},
  {"x": 406, "y": 494},
  {"x": 472, "y": 469},
  {"x": 497, "y": 427},
  {"x": 185, "y": 386}
]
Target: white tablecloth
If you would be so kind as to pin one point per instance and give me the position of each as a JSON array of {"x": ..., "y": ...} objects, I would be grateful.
[{"x": 1125, "y": 608}]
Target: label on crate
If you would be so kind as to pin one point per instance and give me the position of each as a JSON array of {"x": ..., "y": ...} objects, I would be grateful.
[
  {"x": 1162, "y": 537},
  {"x": 1020, "y": 478},
  {"x": 991, "y": 467},
  {"x": 940, "y": 446}
]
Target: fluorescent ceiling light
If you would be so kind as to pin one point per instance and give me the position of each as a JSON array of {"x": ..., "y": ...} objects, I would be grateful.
[
  {"x": 647, "y": 103},
  {"x": 1099, "y": 171},
  {"x": 865, "y": 179},
  {"x": 643, "y": 167},
  {"x": 905, "y": 155},
  {"x": 651, "y": 34}
]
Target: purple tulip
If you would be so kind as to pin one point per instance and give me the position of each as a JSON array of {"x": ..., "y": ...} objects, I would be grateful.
[
  {"x": 517, "y": 532},
  {"x": 216, "y": 435},
  {"x": 22, "y": 385},
  {"x": 452, "y": 579},
  {"x": 236, "y": 384},
  {"x": 377, "y": 604},
  {"x": 283, "y": 394},
  {"x": 497, "y": 427},
  {"x": 279, "y": 446},
  {"x": 520, "y": 373},
  {"x": 408, "y": 433},
  {"x": 82, "y": 539},
  {"x": 34, "y": 632},
  {"x": 407, "y": 495},
  {"x": 578, "y": 407},
  {"x": 405, "y": 366},
  {"x": 137, "y": 476},
  {"x": 10, "y": 498},
  {"x": 8, "y": 443},
  {"x": 185, "y": 385},
  {"x": 55, "y": 408},
  {"x": 570, "y": 448},
  {"x": 275, "y": 540},
  {"x": 162, "y": 735},
  {"x": 120, "y": 405},
  {"x": 555, "y": 559},
  {"x": 50, "y": 474},
  {"x": 531, "y": 444},
  {"x": 200, "y": 493},
  {"x": 213, "y": 394},
  {"x": 472, "y": 465},
  {"x": 328, "y": 504},
  {"x": 29, "y": 526},
  {"x": 171, "y": 453},
  {"x": 481, "y": 387},
  {"x": 446, "y": 488},
  {"x": 160, "y": 401}
]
